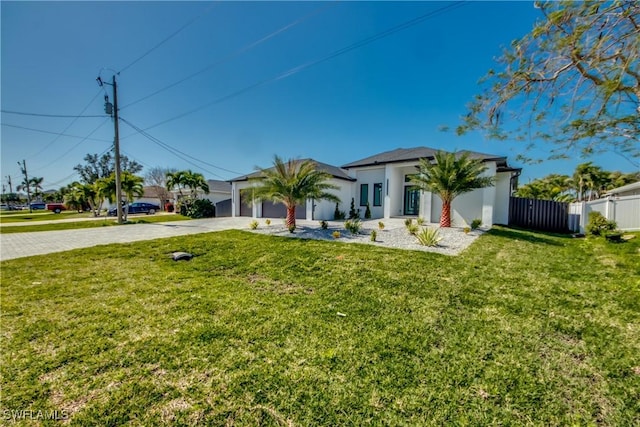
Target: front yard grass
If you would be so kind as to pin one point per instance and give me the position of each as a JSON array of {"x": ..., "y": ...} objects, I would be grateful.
[
  {"x": 523, "y": 328},
  {"x": 104, "y": 222}
]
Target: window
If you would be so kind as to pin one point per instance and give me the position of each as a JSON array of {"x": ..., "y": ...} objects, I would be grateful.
[
  {"x": 364, "y": 194},
  {"x": 377, "y": 194}
]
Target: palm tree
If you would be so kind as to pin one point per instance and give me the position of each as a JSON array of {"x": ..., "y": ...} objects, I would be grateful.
[
  {"x": 36, "y": 184},
  {"x": 176, "y": 180},
  {"x": 195, "y": 181},
  {"x": 449, "y": 176},
  {"x": 291, "y": 183},
  {"x": 132, "y": 186}
]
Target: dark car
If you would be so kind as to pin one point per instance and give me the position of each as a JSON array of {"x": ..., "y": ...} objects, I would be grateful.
[
  {"x": 38, "y": 206},
  {"x": 137, "y": 208}
]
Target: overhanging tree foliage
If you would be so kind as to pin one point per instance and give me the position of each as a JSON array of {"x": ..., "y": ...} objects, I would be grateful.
[
  {"x": 573, "y": 81},
  {"x": 98, "y": 167}
]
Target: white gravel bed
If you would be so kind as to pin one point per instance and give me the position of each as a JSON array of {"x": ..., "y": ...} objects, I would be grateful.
[{"x": 394, "y": 235}]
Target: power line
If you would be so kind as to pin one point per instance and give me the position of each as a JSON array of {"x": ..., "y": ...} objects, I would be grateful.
[
  {"x": 236, "y": 53},
  {"x": 68, "y": 126},
  {"x": 180, "y": 154},
  {"x": 295, "y": 70},
  {"x": 65, "y": 116},
  {"x": 55, "y": 133},
  {"x": 169, "y": 37},
  {"x": 66, "y": 178}
]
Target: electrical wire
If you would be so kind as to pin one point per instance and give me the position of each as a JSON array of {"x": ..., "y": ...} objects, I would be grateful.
[
  {"x": 180, "y": 154},
  {"x": 55, "y": 133},
  {"x": 169, "y": 37},
  {"x": 295, "y": 70},
  {"x": 236, "y": 53},
  {"x": 65, "y": 116}
]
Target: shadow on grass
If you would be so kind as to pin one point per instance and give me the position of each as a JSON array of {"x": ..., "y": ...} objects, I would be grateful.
[{"x": 529, "y": 235}]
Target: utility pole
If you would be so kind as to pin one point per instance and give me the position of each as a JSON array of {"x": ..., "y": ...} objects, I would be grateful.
[
  {"x": 10, "y": 185},
  {"x": 113, "y": 111},
  {"x": 23, "y": 168},
  {"x": 116, "y": 149}
]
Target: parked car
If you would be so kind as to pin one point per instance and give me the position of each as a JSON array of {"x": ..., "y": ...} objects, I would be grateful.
[
  {"x": 56, "y": 207},
  {"x": 38, "y": 206},
  {"x": 136, "y": 208}
]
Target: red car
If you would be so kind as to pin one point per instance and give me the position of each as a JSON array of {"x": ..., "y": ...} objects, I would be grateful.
[{"x": 56, "y": 207}]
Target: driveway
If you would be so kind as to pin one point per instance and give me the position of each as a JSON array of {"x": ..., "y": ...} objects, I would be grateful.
[{"x": 18, "y": 245}]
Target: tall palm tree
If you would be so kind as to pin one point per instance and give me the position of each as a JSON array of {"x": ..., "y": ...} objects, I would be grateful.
[
  {"x": 36, "y": 184},
  {"x": 449, "y": 176},
  {"x": 176, "y": 180},
  {"x": 195, "y": 181},
  {"x": 132, "y": 186},
  {"x": 291, "y": 183}
]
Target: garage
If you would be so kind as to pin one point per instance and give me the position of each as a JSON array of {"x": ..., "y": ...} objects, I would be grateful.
[{"x": 278, "y": 210}]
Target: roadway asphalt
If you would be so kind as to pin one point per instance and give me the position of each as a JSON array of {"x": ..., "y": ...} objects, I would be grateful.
[{"x": 18, "y": 245}]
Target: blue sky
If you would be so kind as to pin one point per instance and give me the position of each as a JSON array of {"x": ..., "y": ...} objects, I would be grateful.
[{"x": 394, "y": 92}]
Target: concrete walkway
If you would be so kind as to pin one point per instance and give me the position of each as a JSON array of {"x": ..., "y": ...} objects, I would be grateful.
[{"x": 18, "y": 245}]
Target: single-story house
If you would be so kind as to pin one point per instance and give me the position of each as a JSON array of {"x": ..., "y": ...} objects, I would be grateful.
[{"x": 383, "y": 181}]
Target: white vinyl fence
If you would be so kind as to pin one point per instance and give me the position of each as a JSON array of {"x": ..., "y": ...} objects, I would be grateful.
[{"x": 625, "y": 211}]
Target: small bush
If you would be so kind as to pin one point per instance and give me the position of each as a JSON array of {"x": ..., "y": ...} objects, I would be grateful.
[
  {"x": 198, "y": 208},
  {"x": 338, "y": 214},
  {"x": 466, "y": 230},
  {"x": 267, "y": 221},
  {"x": 353, "y": 225},
  {"x": 476, "y": 223},
  {"x": 429, "y": 237},
  {"x": 292, "y": 228},
  {"x": 367, "y": 212},
  {"x": 408, "y": 222},
  {"x": 336, "y": 234},
  {"x": 381, "y": 225},
  {"x": 324, "y": 224},
  {"x": 420, "y": 221},
  {"x": 373, "y": 236},
  {"x": 253, "y": 224},
  {"x": 412, "y": 228},
  {"x": 598, "y": 225}
]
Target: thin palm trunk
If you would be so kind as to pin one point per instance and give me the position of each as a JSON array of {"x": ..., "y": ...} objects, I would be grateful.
[
  {"x": 291, "y": 216},
  {"x": 445, "y": 217}
]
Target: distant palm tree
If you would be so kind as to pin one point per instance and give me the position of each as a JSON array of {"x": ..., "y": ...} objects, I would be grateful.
[
  {"x": 449, "y": 176},
  {"x": 291, "y": 183},
  {"x": 36, "y": 184},
  {"x": 176, "y": 180},
  {"x": 195, "y": 181}
]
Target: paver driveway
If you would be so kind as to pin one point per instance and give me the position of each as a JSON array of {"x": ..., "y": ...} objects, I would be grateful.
[{"x": 18, "y": 245}]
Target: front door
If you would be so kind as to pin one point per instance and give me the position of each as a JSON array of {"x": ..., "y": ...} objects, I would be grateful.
[{"x": 411, "y": 201}]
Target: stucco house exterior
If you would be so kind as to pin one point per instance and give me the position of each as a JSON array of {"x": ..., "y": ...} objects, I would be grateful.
[{"x": 382, "y": 180}]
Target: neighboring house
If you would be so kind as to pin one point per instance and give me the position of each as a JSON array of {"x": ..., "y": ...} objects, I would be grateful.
[
  {"x": 632, "y": 189},
  {"x": 383, "y": 181}
]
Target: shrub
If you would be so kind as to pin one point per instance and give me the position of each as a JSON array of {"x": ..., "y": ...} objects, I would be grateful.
[
  {"x": 413, "y": 228},
  {"x": 324, "y": 224},
  {"x": 408, "y": 222},
  {"x": 168, "y": 207},
  {"x": 381, "y": 225},
  {"x": 598, "y": 225},
  {"x": 267, "y": 221},
  {"x": 353, "y": 213},
  {"x": 353, "y": 225},
  {"x": 476, "y": 223},
  {"x": 420, "y": 221},
  {"x": 336, "y": 234},
  {"x": 292, "y": 228},
  {"x": 466, "y": 230},
  {"x": 367, "y": 212},
  {"x": 253, "y": 224},
  {"x": 338, "y": 214},
  {"x": 428, "y": 237},
  {"x": 198, "y": 208},
  {"x": 374, "y": 235}
]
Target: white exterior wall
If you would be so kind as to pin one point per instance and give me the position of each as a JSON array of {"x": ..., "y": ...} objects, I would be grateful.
[
  {"x": 216, "y": 196},
  {"x": 236, "y": 187},
  {"x": 392, "y": 192},
  {"x": 370, "y": 176},
  {"x": 324, "y": 210},
  {"x": 503, "y": 192},
  {"x": 488, "y": 196},
  {"x": 464, "y": 209}
]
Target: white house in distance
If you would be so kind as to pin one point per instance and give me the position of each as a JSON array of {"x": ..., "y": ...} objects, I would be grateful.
[{"x": 383, "y": 181}]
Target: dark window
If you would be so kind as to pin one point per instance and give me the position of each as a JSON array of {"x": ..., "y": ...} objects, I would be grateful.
[
  {"x": 364, "y": 194},
  {"x": 377, "y": 194}
]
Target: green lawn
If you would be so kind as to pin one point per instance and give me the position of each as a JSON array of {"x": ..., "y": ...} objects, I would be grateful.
[
  {"x": 521, "y": 329},
  {"x": 8, "y": 217},
  {"x": 104, "y": 222}
]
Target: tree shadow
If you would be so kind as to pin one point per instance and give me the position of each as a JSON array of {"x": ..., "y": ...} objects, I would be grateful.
[{"x": 531, "y": 236}]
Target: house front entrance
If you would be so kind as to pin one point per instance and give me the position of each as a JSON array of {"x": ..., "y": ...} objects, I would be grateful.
[{"x": 411, "y": 201}]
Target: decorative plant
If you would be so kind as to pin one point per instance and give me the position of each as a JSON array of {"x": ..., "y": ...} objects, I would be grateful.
[
  {"x": 374, "y": 235},
  {"x": 336, "y": 234},
  {"x": 407, "y": 222},
  {"x": 292, "y": 228},
  {"x": 420, "y": 221},
  {"x": 324, "y": 224},
  {"x": 428, "y": 237},
  {"x": 476, "y": 223},
  {"x": 413, "y": 228},
  {"x": 338, "y": 214},
  {"x": 598, "y": 225},
  {"x": 253, "y": 224},
  {"x": 466, "y": 230},
  {"x": 367, "y": 212},
  {"x": 353, "y": 213},
  {"x": 353, "y": 225},
  {"x": 267, "y": 221},
  {"x": 381, "y": 225}
]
